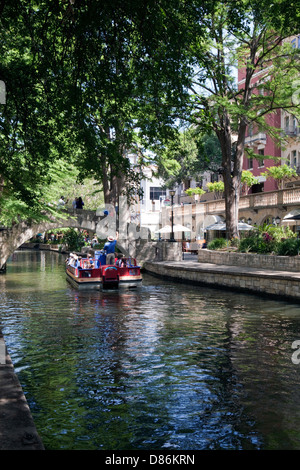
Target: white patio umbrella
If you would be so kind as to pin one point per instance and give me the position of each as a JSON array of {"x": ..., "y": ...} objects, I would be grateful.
[
  {"x": 176, "y": 228},
  {"x": 217, "y": 226},
  {"x": 222, "y": 226},
  {"x": 291, "y": 218}
]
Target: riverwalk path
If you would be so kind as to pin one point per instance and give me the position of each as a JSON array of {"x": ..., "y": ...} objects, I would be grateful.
[{"x": 17, "y": 429}]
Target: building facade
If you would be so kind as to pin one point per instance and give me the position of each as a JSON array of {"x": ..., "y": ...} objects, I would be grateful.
[{"x": 262, "y": 144}]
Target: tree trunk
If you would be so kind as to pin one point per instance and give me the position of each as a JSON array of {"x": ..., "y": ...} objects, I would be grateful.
[
  {"x": 232, "y": 172},
  {"x": 105, "y": 182}
]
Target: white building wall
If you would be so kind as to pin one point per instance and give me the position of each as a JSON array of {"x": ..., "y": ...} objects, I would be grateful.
[{"x": 290, "y": 154}]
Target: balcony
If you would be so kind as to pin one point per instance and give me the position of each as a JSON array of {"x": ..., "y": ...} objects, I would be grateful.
[
  {"x": 281, "y": 200},
  {"x": 256, "y": 139},
  {"x": 291, "y": 131}
]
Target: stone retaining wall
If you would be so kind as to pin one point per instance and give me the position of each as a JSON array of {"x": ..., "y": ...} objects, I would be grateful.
[
  {"x": 142, "y": 250},
  {"x": 251, "y": 260},
  {"x": 17, "y": 428},
  {"x": 274, "y": 283}
]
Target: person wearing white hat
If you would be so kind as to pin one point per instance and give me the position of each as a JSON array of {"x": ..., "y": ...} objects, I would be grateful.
[{"x": 109, "y": 249}]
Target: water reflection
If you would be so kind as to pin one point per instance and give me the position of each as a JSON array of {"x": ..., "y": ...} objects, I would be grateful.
[{"x": 163, "y": 367}]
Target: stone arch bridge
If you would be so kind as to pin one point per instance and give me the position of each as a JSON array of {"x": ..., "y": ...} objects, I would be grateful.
[{"x": 130, "y": 241}]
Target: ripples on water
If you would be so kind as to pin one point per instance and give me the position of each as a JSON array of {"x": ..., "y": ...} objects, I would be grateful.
[{"x": 163, "y": 367}]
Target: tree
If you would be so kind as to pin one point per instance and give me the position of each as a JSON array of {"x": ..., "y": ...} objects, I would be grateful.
[
  {"x": 217, "y": 188},
  {"x": 195, "y": 191},
  {"x": 85, "y": 82},
  {"x": 240, "y": 33},
  {"x": 179, "y": 159},
  {"x": 130, "y": 77},
  {"x": 35, "y": 130},
  {"x": 247, "y": 180},
  {"x": 280, "y": 174}
]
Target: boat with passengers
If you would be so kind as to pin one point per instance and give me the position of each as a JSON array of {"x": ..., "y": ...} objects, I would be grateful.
[{"x": 92, "y": 272}]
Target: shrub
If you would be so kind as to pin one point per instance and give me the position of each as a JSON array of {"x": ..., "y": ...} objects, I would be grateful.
[
  {"x": 217, "y": 244},
  {"x": 258, "y": 243},
  {"x": 247, "y": 244},
  {"x": 266, "y": 239},
  {"x": 289, "y": 247},
  {"x": 74, "y": 239}
]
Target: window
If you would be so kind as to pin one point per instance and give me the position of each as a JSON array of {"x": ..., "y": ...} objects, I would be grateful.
[
  {"x": 214, "y": 177},
  {"x": 156, "y": 193},
  {"x": 294, "y": 125},
  {"x": 294, "y": 159},
  {"x": 287, "y": 123},
  {"x": 261, "y": 160},
  {"x": 250, "y": 164}
]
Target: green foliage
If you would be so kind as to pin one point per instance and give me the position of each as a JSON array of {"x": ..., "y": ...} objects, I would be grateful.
[
  {"x": 74, "y": 239},
  {"x": 217, "y": 244},
  {"x": 188, "y": 155},
  {"x": 194, "y": 191},
  {"x": 267, "y": 239},
  {"x": 257, "y": 243},
  {"x": 241, "y": 34},
  {"x": 248, "y": 179},
  {"x": 86, "y": 84},
  {"x": 289, "y": 247},
  {"x": 98, "y": 246},
  {"x": 34, "y": 127},
  {"x": 179, "y": 159},
  {"x": 280, "y": 174},
  {"x": 217, "y": 187}
]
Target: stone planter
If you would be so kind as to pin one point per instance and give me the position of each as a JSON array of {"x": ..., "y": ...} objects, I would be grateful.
[{"x": 251, "y": 260}]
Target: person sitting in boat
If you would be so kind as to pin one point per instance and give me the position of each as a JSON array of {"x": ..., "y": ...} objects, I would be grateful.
[
  {"x": 119, "y": 259},
  {"x": 73, "y": 260},
  {"x": 70, "y": 261},
  {"x": 109, "y": 249},
  {"x": 90, "y": 261}
]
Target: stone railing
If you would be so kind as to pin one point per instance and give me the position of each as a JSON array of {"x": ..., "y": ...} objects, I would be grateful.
[
  {"x": 272, "y": 198},
  {"x": 283, "y": 199}
]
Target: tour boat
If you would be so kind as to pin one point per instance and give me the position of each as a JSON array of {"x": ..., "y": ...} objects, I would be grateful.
[{"x": 94, "y": 273}]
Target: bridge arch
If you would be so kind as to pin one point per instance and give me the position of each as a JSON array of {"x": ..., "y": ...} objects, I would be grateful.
[{"x": 12, "y": 238}]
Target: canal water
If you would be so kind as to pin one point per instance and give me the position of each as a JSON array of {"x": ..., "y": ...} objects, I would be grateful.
[{"x": 167, "y": 366}]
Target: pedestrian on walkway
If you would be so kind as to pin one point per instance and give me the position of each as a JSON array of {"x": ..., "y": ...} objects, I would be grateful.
[
  {"x": 79, "y": 203},
  {"x": 61, "y": 202}
]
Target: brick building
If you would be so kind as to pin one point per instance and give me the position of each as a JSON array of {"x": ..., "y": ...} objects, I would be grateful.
[{"x": 262, "y": 144}]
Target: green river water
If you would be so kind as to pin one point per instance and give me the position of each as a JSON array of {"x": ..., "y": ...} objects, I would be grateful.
[{"x": 165, "y": 366}]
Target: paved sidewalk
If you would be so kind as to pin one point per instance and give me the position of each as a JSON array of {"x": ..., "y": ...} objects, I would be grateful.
[{"x": 194, "y": 265}]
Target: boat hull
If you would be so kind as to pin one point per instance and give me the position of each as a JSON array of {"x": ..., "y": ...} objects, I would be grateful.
[
  {"x": 104, "y": 277},
  {"x": 81, "y": 283}
]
